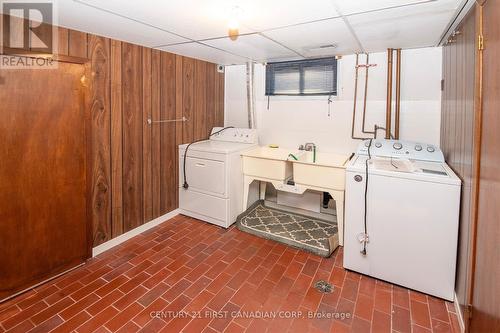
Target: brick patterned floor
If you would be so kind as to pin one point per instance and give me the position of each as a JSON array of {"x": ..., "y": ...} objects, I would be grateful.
[{"x": 188, "y": 265}]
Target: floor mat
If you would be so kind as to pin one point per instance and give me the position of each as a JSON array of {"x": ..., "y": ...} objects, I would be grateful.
[{"x": 311, "y": 234}]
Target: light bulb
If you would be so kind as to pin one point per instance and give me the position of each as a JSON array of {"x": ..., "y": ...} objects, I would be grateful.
[
  {"x": 233, "y": 29},
  {"x": 233, "y": 25}
]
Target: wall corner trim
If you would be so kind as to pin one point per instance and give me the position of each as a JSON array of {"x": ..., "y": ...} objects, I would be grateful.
[
  {"x": 459, "y": 314},
  {"x": 134, "y": 232}
]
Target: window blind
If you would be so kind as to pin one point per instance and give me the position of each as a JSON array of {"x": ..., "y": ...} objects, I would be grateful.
[{"x": 303, "y": 77}]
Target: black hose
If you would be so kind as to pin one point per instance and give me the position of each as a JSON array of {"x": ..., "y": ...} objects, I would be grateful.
[
  {"x": 366, "y": 197},
  {"x": 186, "y": 185}
]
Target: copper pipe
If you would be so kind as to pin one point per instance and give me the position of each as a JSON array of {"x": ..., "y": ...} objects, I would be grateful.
[
  {"x": 355, "y": 101},
  {"x": 478, "y": 139},
  {"x": 398, "y": 94},
  {"x": 366, "y": 94},
  {"x": 388, "y": 112}
]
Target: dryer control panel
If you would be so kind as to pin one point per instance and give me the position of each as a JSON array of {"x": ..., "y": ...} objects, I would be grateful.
[
  {"x": 241, "y": 135},
  {"x": 401, "y": 149}
]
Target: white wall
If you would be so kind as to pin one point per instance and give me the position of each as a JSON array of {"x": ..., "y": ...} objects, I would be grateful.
[{"x": 291, "y": 121}]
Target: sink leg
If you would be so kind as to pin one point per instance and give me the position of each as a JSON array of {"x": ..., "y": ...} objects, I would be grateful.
[
  {"x": 246, "y": 188},
  {"x": 339, "y": 204},
  {"x": 263, "y": 186}
]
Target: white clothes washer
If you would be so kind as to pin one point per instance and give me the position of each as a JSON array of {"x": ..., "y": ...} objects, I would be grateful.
[{"x": 412, "y": 216}]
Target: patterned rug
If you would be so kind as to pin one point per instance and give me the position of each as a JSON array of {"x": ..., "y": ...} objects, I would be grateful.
[{"x": 311, "y": 234}]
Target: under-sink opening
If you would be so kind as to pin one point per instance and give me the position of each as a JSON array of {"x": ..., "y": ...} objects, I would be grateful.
[{"x": 271, "y": 200}]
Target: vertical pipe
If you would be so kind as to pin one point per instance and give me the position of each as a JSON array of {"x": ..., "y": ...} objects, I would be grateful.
[
  {"x": 398, "y": 93},
  {"x": 355, "y": 96},
  {"x": 367, "y": 66},
  {"x": 388, "y": 112},
  {"x": 250, "y": 94},
  {"x": 478, "y": 139}
]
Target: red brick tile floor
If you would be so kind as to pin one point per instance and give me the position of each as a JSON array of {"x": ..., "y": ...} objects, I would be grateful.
[{"x": 186, "y": 275}]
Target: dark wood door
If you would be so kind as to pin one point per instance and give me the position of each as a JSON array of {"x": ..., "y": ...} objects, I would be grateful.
[
  {"x": 43, "y": 220},
  {"x": 486, "y": 287}
]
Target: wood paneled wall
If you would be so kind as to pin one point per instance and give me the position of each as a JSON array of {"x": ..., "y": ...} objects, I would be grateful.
[
  {"x": 470, "y": 135},
  {"x": 457, "y": 135},
  {"x": 485, "y": 297},
  {"x": 134, "y": 168}
]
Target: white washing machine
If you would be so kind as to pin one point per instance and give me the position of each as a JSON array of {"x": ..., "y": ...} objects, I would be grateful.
[
  {"x": 215, "y": 176},
  {"x": 412, "y": 214}
]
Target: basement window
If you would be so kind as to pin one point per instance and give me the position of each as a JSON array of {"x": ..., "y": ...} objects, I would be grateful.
[{"x": 302, "y": 78}]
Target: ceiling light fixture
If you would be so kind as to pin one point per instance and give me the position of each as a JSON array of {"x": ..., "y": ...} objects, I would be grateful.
[{"x": 233, "y": 24}]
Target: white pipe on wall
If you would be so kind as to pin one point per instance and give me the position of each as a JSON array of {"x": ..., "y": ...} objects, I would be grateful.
[{"x": 250, "y": 68}]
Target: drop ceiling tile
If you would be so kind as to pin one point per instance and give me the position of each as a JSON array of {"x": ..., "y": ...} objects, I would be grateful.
[
  {"x": 193, "y": 19},
  {"x": 308, "y": 39},
  {"x": 199, "y": 51},
  {"x": 202, "y": 19},
  {"x": 407, "y": 27},
  {"x": 269, "y": 14},
  {"x": 81, "y": 17},
  {"x": 255, "y": 47},
  {"x": 348, "y": 7}
]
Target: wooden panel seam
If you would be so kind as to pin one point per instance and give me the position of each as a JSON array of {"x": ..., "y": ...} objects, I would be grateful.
[{"x": 116, "y": 139}]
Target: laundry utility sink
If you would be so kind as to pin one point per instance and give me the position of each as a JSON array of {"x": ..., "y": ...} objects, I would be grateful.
[
  {"x": 325, "y": 170},
  {"x": 321, "y": 172},
  {"x": 269, "y": 163}
]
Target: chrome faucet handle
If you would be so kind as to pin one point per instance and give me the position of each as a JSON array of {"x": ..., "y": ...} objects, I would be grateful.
[{"x": 301, "y": 147}]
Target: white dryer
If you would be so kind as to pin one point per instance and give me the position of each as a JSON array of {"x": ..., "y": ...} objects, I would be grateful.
[
  {"x": 412, "y": 213},
  {"x": 215, "y": 176}
]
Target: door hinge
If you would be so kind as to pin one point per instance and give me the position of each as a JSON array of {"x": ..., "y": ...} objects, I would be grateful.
[
  {"x": 480, "y": 42},
  {"x": 442, "y": 85}
]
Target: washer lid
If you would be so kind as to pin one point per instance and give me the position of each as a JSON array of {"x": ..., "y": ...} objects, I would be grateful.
[
  {"x": 221, "y": 147},
  {"x": 422, "y": 170}
]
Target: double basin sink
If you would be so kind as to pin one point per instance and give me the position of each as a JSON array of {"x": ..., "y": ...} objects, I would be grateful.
[{"x": 322, "y": 170}]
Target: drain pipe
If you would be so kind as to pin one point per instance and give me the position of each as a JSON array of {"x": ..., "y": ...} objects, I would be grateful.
[{"x": 250, "y": 67}]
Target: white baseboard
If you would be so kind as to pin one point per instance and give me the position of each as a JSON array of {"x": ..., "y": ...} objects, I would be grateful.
[
  {"x": 134, "y": 232},
  {"x": 459, "y": 314}
]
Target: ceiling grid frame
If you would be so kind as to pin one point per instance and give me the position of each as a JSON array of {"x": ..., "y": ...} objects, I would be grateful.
[{"x": 261, "y": 33}]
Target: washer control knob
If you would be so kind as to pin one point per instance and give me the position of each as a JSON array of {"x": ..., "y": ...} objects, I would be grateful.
[
  {"x": 431, "y": 149},
  {"x": 358, "y": 178},
  {"x": 367, "y": 143},
  {"x": 378, "y": 145},
  {"x": 397, "y": 146},
  {"x": 418, "y": 148}
]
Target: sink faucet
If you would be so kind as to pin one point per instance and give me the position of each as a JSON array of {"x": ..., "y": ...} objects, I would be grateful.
[{"x": 309, "y": 146}]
